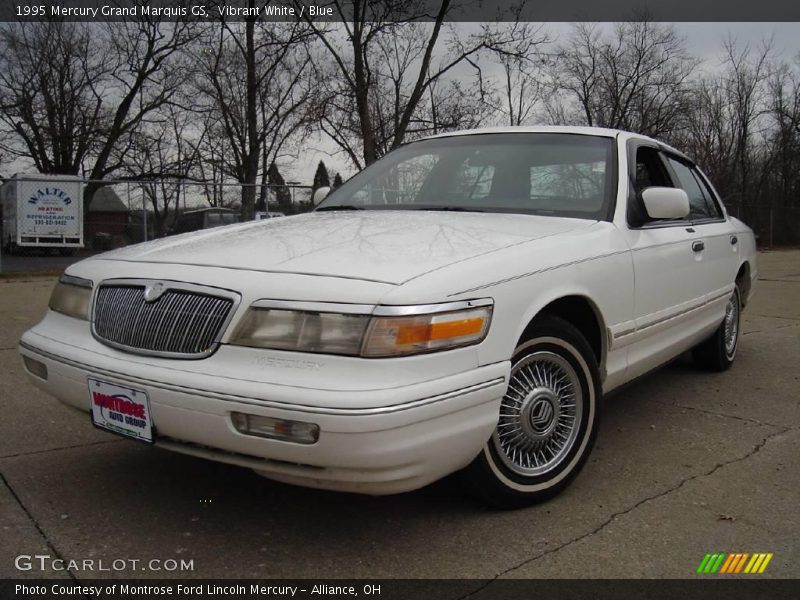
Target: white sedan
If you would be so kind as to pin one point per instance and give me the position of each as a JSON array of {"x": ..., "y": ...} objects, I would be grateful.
[{"x": 461, "y": 305}]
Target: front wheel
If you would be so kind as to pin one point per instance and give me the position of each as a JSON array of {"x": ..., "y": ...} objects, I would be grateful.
[{"x": 547, "y": 422}]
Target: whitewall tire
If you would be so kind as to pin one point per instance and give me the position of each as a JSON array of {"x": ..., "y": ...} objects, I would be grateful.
[{"x": 547, "y": 421}]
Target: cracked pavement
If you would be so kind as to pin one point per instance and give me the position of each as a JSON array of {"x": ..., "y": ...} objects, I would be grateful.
[{"x": 686, "y": 463}]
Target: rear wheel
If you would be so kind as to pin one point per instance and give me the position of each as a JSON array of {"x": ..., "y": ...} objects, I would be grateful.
[
  {"x": 547, "y": 421},
  {"x": 718, "y": 351}
]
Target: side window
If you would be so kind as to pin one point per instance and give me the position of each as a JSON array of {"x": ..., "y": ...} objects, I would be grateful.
[
  {"x": 713, "y": 207},
  {"x": 700, "y": 206}
]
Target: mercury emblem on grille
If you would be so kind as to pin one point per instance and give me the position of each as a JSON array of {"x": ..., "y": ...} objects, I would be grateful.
[{"x": 153, "y": 291}]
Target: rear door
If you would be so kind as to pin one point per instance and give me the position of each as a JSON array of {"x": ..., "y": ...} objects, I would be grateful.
[{"x": 720, "y": 253}]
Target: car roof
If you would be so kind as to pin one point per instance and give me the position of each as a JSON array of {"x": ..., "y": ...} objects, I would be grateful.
[
  {"x": 597, "y": 131},
  {"x": 570, "y": 129}
]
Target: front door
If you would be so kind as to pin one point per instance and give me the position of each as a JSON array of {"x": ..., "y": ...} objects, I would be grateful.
[{"x": 668, "y": 257}]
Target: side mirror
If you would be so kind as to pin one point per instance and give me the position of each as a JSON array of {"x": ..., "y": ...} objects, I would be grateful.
[
  {"x": 320, "y": 195},
  {"x": 665, "y": 203}
]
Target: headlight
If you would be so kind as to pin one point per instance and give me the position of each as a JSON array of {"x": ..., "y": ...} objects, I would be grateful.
[
  {"x": 364, "y": 330},
  {"x": 326, "y": 333},
  {"x": 72, "y": 296}
]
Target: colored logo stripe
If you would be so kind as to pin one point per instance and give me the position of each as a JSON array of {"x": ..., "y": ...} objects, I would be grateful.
[
  {"x": 734, "y": 562},
  {"x": 711, "y": 562},
  {"x": 703, "y": 563},
  {"x": 758, "y": 563},
  {"x": 731, "y": 560},
  {"x": 741, "y": 562}
]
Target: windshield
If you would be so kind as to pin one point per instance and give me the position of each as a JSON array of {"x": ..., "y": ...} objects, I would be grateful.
[{"x": 557, "y": 174}]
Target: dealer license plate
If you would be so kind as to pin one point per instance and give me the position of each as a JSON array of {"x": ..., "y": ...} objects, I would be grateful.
[{"x": 121, "y": 409}]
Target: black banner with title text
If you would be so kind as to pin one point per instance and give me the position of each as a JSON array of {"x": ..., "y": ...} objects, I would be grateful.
[
  {"x": 400, "y": 589},
  {"x": 401, "y": 10}
]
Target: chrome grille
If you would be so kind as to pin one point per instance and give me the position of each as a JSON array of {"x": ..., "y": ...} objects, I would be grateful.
[{"x": 181, "y": 323}]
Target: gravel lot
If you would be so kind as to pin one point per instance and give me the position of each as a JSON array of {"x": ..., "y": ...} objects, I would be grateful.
[{"x": 686, "y": 463}]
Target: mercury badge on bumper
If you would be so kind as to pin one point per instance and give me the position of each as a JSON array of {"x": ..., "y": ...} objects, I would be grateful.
[{"x": 461, "y": 305}]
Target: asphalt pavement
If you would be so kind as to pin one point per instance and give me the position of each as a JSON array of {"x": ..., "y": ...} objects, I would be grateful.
[
  {"x": 686, "y": 463},
  {"x": 38, "y": 261}
]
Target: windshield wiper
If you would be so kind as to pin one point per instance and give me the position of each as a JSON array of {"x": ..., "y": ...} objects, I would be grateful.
[
  {"x": 339, "y": 207},
  {"x": 452, "y": 208}
]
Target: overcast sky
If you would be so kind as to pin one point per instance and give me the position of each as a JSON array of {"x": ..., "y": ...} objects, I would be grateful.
[{"x": 705, "y": 39}]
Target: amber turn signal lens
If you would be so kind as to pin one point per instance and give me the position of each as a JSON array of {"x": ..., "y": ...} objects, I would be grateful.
[
  {"x": 417, "y": 334},
  {"x": 398, "y": 336}
]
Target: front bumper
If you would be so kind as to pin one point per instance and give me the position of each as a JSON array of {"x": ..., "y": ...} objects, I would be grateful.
[{"x": 380, "y": 440}]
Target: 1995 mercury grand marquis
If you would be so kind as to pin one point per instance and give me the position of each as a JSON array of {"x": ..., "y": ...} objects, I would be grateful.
[{"x": 460, "y": 305}]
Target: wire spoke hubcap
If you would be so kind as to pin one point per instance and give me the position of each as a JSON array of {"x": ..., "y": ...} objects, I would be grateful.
[
  {"x": 731, "y": 325},
  {"x": 540, "y": 414}
]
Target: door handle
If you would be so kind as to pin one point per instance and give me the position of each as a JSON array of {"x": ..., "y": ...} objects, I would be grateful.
[
  {"x": 734, "y": 239},
  {"x": 698, "y": 246}
]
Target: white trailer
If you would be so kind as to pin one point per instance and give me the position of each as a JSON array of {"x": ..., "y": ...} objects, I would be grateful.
[{"x": 42, "y": 211}]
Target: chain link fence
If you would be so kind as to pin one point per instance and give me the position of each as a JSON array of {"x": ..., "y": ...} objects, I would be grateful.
[
  {"x": 160, "y": 208},
  {"x": 774, "y": 226}
]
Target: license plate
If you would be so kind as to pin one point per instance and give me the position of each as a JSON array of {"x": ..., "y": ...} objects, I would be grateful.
[{"x": 121, "y": 409}]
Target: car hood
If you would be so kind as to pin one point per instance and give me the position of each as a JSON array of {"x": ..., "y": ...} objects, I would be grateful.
[{"x": 382, "y": 246}]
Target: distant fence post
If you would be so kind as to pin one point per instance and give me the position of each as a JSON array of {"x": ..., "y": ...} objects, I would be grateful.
[{"x": 770, "y": 226}]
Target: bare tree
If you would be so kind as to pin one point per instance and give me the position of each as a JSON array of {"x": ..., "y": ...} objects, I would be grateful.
[
  {"x": 707, "y": 133},
  {"x": 163, "y": 155},
  {"x": 72, "y": 95},
  {"x": 211, "y": 166},
  {"x": 252, "y": 79},
  {"x": 52, "y": 87},
  {"x": 784, "y": 111},
  {"x": 523, "y": 91},
  {"x": 149, "y": 70},
  {"x": 744, "y": 82},
  {"x": 526, "y": 86},
  {"x": 633, "y": 78},
  {"x": 725, "y": 127},
  {"x": 384, "y": 62}
]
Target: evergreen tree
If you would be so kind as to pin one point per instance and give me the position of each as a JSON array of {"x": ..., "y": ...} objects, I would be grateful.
[
  {"x": 283, "y": 194},
  {"x": 337, "y": 181},
  {"x": 321, "y": 177}
]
